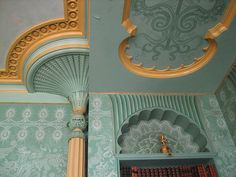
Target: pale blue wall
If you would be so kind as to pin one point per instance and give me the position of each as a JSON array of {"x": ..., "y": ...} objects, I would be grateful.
[
  {"x": 33, "y": 140},
  {"x": 101, "y": 156}
]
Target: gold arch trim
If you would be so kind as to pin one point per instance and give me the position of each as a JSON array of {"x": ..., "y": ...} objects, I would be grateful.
[
  {"x": 71, "y": 25},
  {"x": 197, "y": 64}
]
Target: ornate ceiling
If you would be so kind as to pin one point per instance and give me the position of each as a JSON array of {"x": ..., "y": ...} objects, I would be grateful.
[
  {"x": 171, "y": 39},
  {"x": 17, "y": 16},
  {"x": 71, "y": 24},
  {"x": 161, "y": 39}
]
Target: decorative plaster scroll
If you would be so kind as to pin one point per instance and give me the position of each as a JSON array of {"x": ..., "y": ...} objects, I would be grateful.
[
  {"x": 71, "y": 25},
  {"x": 183, "y": 69}
]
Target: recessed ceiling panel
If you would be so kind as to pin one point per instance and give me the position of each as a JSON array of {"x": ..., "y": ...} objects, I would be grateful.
[
  {"x": 18, "y": 15},
  {"x": 171, "y": 33},
  {"x": 108, "y": 74},
  {"x": 171, "y": 39}
]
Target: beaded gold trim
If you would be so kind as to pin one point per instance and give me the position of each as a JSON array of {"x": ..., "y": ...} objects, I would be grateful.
[{"x": 71, "y": 25}]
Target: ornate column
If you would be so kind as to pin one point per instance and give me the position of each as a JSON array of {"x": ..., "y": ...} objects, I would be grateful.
[
  {"x": 78, "y": 123},
  {"x": 65, "y": 73}
]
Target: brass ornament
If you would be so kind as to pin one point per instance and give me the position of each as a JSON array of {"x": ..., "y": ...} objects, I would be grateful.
[
  {"x": 164, "y": 145},
  {"x": 198, "y": 63}
]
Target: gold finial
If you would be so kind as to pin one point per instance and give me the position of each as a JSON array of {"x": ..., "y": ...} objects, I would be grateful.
[{"x": 164, "y": 145}]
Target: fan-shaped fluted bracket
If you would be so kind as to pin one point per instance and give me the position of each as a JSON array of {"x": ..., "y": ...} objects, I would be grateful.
[
  {"x": 63, "y": 72},
  {"x": 184, "y": 135},
  {"x": 73, "y": 24},
  {"x": 79, "y": 101}
]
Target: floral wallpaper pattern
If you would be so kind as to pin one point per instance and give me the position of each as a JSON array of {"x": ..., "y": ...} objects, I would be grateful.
[
  {"x": 144, "y": 138},
  {"x": 101, "y": 159},
  {"x": 33, "y": 140},
  {"x": 219, "y": 135},
  {"x": 226, "y": 96},
  {"x": 101, "y": 141}
]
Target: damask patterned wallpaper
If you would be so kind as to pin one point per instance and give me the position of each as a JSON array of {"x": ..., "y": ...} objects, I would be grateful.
[
  {"x": 226, "y": 96},
  {"x": 143, "y": 138},
  {"x": 101, "y": 152},
  {"x": 33, "y": 140},
  {"x": 219, "y": 135},
  {"x": 101, "y": 156}
]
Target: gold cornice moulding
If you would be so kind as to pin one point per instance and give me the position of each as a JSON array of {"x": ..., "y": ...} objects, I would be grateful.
[
  {"x": 197, "y": 64},
  {"x": 71, "y": 25}
]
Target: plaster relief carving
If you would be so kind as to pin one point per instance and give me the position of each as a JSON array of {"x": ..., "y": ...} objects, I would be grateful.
[
  {"x": 167, "y": 38},
  {"x": 71, "y": 25}
]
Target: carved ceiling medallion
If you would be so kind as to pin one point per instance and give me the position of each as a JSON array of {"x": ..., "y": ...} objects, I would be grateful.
[{"x": 166, "y": 38}]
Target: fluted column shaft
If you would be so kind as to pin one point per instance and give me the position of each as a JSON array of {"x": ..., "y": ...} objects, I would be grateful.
[{"x": 76, "y": 158}]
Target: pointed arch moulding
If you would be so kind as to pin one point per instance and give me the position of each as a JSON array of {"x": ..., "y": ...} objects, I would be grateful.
[
  {"x": 198, "y": 63},
  {"x": 72, "y": 24}
]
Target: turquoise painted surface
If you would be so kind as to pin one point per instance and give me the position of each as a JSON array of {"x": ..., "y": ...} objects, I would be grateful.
[
  {"x": 170, "y": 33},
  {"x": 101, "y": 138},
  {"x": 107, "y": 74},
  {"x": 15, "y": 97},
  {"x": 144, "y": 138},
  {"x": 219, "y": 135},
  {"x": 101, "y": 159},
  {"x": 17, "y": 16},
  {"x": 226, "y": 96},
  {"x": 125, "y": 105},
  {"x": 33, "y": 140}
]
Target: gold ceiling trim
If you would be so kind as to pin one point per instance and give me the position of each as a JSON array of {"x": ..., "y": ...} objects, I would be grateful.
[
  {"x": 58, "y": 103},
  {"x": 198, "y": 63},
  {"x": 14, "y": 91},
  {"x": 71, "y": 25}
]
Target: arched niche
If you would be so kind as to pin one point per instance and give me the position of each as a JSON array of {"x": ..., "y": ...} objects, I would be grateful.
[{"x": 140, "y": 133}]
